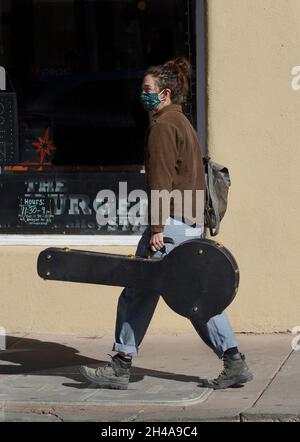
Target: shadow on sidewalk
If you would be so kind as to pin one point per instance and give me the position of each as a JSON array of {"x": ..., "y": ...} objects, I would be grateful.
[{"x": 37, "y": 357}]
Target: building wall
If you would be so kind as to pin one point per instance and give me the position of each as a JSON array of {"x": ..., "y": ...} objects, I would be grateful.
[
  {"x": 31, "y": 304},
  {"x": 253, "y": 128}
]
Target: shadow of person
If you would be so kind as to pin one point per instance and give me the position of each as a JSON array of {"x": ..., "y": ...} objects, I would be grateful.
[
  {"x": 34, "y": 355},
  {"x": 26, "y": 355},
  {"x": 138, "y": 374}
]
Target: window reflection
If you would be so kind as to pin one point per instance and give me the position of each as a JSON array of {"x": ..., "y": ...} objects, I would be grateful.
[{"x": 77, "y": 67}]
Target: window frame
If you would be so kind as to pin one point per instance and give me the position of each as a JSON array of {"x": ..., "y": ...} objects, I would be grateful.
[{"x": 201, "y": 123}]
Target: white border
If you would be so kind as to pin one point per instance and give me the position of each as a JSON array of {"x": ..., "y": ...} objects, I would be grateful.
[{"x": 69, "y": 240}]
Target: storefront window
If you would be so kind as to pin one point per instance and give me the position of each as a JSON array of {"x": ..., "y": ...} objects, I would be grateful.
[{"x": 76, "y": 67}]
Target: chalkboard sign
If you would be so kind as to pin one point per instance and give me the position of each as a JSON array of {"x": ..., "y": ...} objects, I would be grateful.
[
  {"x": 35, "y": 211},
  {"x": 62, "y": 203},
  {"x": 9, "y": 134}
]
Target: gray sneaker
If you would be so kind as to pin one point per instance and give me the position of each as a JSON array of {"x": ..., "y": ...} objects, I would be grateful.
[
  {"x": 235, "y": 372},
  {"x": 114, "y": 375}
]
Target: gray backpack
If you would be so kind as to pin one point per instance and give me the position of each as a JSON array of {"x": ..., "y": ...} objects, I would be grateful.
[{"x": 217, "y": 182}]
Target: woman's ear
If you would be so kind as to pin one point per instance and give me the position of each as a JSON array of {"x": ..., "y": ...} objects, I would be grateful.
[{"x": 168, "y": 92}]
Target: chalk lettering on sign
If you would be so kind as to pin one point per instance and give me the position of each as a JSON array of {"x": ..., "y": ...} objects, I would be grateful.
[{"x": 35, "y": 211}]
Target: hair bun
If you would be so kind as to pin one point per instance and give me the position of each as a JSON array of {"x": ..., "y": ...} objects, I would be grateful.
[{"x": 179, "y": 64}]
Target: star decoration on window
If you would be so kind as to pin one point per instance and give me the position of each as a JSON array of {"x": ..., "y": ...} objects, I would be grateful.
[{"x": 44, "y": 146}]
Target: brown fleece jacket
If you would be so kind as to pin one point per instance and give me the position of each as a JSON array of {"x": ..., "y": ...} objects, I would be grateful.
[{"x": 173, "y": 161}]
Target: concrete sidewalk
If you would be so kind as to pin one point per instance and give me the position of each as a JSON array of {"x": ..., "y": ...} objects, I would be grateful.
[{"x": 39, "y": 380}]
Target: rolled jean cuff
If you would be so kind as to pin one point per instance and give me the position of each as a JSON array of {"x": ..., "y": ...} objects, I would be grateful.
[
  {"x": 127, "y": 349},
  {"x": 220, "y": 350}
]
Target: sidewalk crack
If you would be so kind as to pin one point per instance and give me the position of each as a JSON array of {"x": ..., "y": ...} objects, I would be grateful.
[{"x": 270, "y": 381}]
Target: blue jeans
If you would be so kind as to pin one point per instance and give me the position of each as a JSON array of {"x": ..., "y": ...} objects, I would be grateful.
[{"x": 136, "y": 307}]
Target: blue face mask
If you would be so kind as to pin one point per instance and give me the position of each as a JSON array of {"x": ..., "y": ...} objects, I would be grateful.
[{"x": 150, "y": 100}]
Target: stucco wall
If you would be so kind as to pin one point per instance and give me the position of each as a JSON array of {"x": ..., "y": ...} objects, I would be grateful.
[
  {"x": 29, "y": 303},
  {"x": 254, "y": 128}
]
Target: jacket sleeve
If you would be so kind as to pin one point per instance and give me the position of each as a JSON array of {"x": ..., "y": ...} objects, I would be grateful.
[{"x": 161, "y": 159}]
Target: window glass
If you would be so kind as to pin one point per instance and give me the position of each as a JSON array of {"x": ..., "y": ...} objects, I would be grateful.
[{"x": 76, "y": 67}]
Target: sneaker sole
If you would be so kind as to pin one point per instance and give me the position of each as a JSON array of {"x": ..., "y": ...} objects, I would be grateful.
[{"x": 109, "y": 384}]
